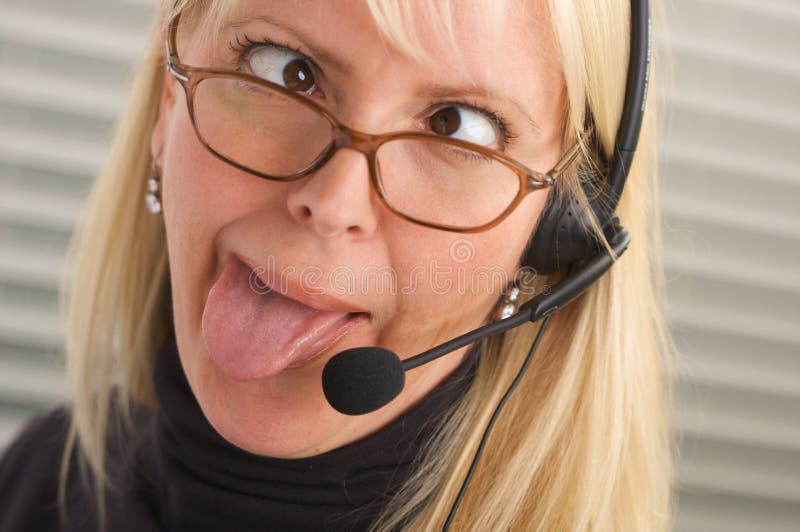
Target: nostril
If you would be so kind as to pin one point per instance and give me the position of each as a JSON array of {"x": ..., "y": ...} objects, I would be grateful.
[{"x": 305, "y": 212}]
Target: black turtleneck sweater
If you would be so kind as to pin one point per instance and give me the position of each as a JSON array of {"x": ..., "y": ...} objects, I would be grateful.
[{"x": 176, "y": 473}]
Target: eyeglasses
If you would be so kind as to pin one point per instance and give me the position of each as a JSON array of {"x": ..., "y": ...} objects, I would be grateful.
[{"x": 275, "y": 133}]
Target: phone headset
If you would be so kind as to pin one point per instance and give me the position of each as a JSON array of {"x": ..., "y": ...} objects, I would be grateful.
[{"x": 360, "y": 380}]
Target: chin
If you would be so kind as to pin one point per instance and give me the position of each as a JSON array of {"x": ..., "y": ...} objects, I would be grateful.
[{"x": 284, "y": 415}]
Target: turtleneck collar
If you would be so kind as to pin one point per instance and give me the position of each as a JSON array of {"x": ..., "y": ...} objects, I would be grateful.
[{"x": 202, "y": 482}]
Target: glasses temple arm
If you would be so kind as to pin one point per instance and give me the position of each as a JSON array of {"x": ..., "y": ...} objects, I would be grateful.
[{"x": 569, "y": 157}]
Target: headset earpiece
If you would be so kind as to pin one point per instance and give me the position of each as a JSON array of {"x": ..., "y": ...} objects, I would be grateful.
[
  {"x": 561, "y": 237},
  {"x": 564, "y": 233}
]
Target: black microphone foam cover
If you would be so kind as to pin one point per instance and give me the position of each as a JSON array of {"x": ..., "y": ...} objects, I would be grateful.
[{"x": 363, "y": 379}]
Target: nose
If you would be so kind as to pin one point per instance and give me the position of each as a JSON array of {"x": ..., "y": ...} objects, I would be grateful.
[{"x": 337, "y": 198}]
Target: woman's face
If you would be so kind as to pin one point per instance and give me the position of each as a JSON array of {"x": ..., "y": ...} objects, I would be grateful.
[{"x": 342, "y": 270}]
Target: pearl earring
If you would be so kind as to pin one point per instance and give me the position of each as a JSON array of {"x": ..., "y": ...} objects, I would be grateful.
[
  {"x": 153, "y": 196},
  {"x": 508, "y": 305}
]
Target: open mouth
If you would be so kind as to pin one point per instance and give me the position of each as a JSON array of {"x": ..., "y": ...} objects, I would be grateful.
[{"x": 252, "y": 334}]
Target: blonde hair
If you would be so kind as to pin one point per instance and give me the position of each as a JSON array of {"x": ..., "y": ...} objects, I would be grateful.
[{"x": 583, "y": 443}]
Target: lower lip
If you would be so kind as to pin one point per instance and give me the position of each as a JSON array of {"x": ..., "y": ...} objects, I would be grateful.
[
  {"x": 327, "y": 339},
  {"x": 252, "y": 335}
]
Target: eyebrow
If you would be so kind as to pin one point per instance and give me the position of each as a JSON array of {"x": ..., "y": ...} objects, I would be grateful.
[{"x": 436, "y": 91}]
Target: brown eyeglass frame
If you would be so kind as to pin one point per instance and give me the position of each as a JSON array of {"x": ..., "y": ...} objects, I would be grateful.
[{"x": 368, "y": 144}]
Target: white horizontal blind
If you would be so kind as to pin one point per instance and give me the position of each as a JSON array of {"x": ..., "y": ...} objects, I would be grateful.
[
  {"x": 731, "y": 184},
  {"x": 64, "y": 68}
]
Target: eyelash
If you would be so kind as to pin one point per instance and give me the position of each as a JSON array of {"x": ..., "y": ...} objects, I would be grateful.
[{"x": 241, "y": 49}]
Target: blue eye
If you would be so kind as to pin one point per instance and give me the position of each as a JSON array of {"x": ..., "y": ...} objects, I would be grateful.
[
  {"x": 282, "y": 66},
  {"x": 466, "y": 124}
]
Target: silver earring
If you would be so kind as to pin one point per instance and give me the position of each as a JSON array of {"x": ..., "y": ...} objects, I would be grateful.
[
  {"x": 508, "y": 304},
  {"x": 153, "y": 197}
]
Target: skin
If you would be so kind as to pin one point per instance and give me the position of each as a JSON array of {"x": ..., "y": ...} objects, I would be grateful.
[{"x": 333, "y": 217}]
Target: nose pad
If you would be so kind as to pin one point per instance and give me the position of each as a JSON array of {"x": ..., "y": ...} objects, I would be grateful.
[{"x": 337, "y": 198}]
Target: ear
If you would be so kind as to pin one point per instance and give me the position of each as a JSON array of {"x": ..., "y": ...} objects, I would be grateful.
[{"x": 165, "y": 108}]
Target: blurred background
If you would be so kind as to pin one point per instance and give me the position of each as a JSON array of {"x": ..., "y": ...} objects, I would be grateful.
[{"x": 731, "y": 197}]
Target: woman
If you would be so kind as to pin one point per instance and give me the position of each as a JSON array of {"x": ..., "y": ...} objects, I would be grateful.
[{"x": 198, "y": 329}]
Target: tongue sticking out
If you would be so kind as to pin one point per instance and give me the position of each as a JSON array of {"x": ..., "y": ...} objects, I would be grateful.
[{"x": 251, "y": 335}]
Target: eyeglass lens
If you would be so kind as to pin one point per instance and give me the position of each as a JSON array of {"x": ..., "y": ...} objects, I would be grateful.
[{"x": 435, "y": 182}]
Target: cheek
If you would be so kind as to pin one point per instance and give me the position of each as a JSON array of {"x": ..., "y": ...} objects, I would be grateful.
[
  {"x": 525, "y": 218},
  {"x": 448, "y": 282},
  {"x": 188, "y": 217},
  {"x": 202, "y": 193},
  {"x": 201, "y": 196},
  {"x": 193, "y": 189}
]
